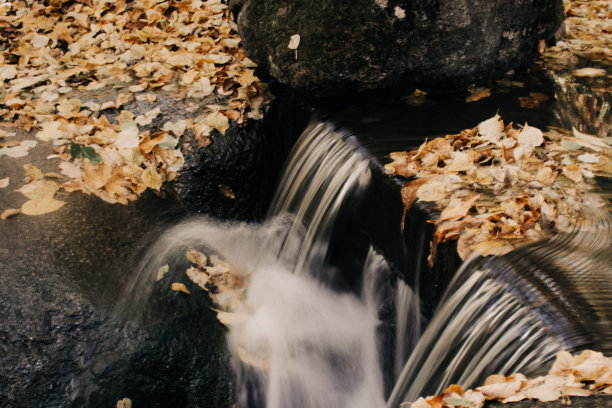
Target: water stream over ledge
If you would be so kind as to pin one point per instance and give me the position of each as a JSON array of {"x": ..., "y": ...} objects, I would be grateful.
[{"x": 314, "y": 327}]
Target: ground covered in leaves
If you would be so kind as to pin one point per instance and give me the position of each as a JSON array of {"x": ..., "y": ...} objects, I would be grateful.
[
  {"x": 499, "y": 186},
  {"x": 68, "y": 71}
]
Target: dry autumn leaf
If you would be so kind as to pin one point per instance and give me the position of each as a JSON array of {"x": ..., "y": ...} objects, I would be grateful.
[
  {"x": 41, "y": 206},
  {"x": 180, "y": 287},
  {"x": 9, "y": 213}
]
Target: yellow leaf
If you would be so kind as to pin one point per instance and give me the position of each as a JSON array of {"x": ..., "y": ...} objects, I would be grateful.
[
  {"x": 9, "y": 213},
  {"x": 227, "y": 191},
  {"x": 217, "y": 120},
  {"x": 33, "y": 172},
  {"x": 180, "y": 287},
  {"x": 41, "y": 206},
  {"x": 152, "y": 179},
  {"x": 39, "y": 189}
]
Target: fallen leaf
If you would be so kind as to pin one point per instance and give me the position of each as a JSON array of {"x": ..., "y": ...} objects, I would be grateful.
[
  {"x": 180, "y": 287},
  {"x": 477, "y": 93},
  {"x": 161, "y": 272},
  {"x": 589, "y": 72},
  {"x": 33, "y": 172},
  {"x": 39, "y": 189},
  {"x": 294, "y": 41},
  {"x": 218, "y": 121},
  {"x": 227, "y": 191},
  {"x": 491, "y": 129},
  {"x": 460, "y": 210},
  {"x": 9, "y": 213},
  {"x": 4, "y": 182},
  {"x": 41, "y": 206},
  {"x": 18, "y": 151}
]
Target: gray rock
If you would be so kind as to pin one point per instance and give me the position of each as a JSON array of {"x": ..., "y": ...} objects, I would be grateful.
[{"x": 352, "y": 46}]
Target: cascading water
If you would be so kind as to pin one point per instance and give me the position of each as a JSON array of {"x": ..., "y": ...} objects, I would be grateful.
[
  {"x": 306, "y": 335},
  {"x": 514, "y": 313}
]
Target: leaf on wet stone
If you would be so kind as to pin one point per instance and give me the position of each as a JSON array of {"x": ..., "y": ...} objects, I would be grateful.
[
  {"x": 9, "y": 212},
  {"x": 218, "y": 121},
  {"x": 294, "y": 42},
  {"x": 180, "y": 287},
  {"x": 161, "y": 272},
  {"x": 41, "y": 206},
  {"x": 227, "y": 191},
  {"x": 178, "y": 127},
  {"x": 33, "y": 172},
  {"x": 18, "y": 151},
  {"x": 39, "y": 189}
]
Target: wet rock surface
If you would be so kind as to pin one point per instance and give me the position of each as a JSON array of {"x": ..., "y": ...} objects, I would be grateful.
[
  {"x": 62, "y": 344},
  {"x": 353, "y": 47}
]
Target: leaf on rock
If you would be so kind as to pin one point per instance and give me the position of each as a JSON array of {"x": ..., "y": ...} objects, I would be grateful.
[
  {"x": 294, "y": 42},
  {"x": 33, "y": 172},
  {"x": 41, "y": 206},
  {"x": 39, "y": 189},
  {"x": 161, "y": 272},
  {"x": 218, "y": 121},
  {"x": 227, "y": 191},
  {"x": 9, "y": 213},
  {"x": 180, "y": 287},
  {"x": 4, "y": 182}
]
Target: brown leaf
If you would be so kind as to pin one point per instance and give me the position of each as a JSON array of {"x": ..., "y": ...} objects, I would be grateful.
[{"x": 458, "y": 211}]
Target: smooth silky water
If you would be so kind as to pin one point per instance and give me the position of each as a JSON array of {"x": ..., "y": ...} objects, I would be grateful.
[{"x": 308, "y": 333}]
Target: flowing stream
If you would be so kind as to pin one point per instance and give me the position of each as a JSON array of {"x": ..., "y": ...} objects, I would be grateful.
[{"x": 309, "y": 331}]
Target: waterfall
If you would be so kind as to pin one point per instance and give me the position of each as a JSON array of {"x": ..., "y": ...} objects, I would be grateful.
[
  {"x": 515, "y": 312},
  {"x": 309, "y": 331}
]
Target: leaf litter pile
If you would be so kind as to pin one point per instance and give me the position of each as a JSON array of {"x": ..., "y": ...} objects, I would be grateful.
[
  {"x": 498, "y": 186},
  {"x": 53, "y": 54},
  {"x": 581, "y": 375}
]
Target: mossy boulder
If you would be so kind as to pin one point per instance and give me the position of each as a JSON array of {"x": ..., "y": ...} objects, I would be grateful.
[{"x": 355, "y": 46}]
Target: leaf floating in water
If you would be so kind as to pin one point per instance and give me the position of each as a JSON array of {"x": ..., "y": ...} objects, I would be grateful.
[
  {"x": 477, "y": 93},
  {"x": 180, "y": 287}
]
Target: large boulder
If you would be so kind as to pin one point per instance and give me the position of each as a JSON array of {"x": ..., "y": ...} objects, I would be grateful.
[{"x": 353, "y": 46}]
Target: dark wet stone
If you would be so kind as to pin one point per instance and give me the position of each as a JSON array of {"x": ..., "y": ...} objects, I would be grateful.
[
  {"x": 354, "y": 46},
  {"x": 248, "y": 160},
  {"x": 61, "y": 345}
]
